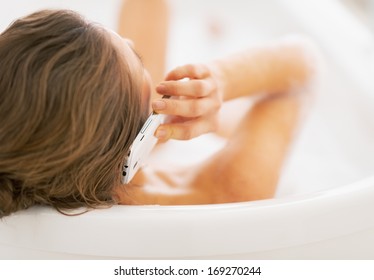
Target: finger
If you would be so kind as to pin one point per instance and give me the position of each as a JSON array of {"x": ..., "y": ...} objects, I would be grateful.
[
  {"x": 192, "y": 71},
  {"x": 191, "y": 88},
  {"x": 189, "y": 108},
  {"x": 187, "y": 130}
]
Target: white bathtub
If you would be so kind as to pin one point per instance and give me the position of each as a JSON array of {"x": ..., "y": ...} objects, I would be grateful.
[{"x": 325, "y": 201}]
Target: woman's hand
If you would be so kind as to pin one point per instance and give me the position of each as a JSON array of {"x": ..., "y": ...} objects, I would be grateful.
[{"x": 194, "y": 103}]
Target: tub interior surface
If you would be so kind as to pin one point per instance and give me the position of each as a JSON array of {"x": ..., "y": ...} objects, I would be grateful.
[{"x": 333, "y": 146}]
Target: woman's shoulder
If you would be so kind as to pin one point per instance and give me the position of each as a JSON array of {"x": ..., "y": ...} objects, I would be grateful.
[{"x": 176, "y": 173}]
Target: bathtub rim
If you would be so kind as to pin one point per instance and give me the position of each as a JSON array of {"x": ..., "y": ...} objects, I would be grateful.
[{"x": 273, "y": 224}]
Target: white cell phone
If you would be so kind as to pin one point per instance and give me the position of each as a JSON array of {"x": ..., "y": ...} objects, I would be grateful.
[{"x": 141, "y": 147}]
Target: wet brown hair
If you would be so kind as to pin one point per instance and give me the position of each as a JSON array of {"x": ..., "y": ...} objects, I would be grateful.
[{"x": 69, "y": 110}]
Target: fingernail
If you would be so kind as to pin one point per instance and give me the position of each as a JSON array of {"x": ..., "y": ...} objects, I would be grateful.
[
  {"x": 161, "y": 133},
  {"x": 158, "y": 105},
  {"x": 161, "y": 88}
]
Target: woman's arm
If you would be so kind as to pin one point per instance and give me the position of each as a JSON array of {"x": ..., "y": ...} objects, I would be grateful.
[
  {"x": 249, "y": 166},
  {"x": 274, "y": 69}
]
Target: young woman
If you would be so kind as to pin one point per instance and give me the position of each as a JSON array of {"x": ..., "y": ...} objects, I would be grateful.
[{"x": 73, "y": 96}]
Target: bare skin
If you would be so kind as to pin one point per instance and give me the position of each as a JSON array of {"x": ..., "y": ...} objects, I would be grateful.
[
  {"x": 150, "y": 35},
  {"x": 249, "y": 166}
]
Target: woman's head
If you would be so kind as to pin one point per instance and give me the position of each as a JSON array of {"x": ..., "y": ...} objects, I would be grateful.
[{"x": 70, "y": 107}]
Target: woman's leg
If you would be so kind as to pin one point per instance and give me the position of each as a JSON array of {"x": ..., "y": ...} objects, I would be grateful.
[{"x": 146, "y": 23}]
